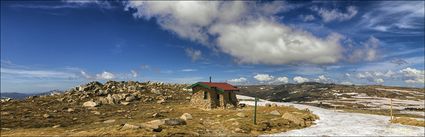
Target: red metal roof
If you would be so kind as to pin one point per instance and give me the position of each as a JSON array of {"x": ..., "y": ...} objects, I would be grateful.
[{"x": 221, "y": 85}]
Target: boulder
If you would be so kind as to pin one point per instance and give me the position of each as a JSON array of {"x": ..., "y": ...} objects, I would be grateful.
[
  {"x": 275, "y": 112},
  {"x": 130, "y": 98},
  {"x": 291, "y": 117},
  {"x": 186, "y": 116},
  {"x": 175, "y": 121},
  {"x": 154, "y": 125},
  {"x": 90, "y": 104}
]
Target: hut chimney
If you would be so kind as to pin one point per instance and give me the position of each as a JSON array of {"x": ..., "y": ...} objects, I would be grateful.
[{"x": 210, "y": 79}]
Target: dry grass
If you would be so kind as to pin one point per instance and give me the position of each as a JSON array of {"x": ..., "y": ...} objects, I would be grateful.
[
  {"x": 409, "y": 121},
  {"x": 26, "y": 119}
]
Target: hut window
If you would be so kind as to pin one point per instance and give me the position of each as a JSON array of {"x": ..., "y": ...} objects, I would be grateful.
[{"x": 205, "y": 95}]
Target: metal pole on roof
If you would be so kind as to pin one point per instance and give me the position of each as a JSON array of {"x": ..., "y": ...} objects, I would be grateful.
[{"x": 255, "y": 111}]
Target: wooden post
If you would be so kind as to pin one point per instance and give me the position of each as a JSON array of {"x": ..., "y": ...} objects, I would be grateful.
[
  {"x": 391, "y": 109},
  {"x": 255, "y": 111}
]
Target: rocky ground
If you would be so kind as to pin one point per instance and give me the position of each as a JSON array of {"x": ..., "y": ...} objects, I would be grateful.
[
  {"x": 406, "y": 102},
  {"x": 134, "y": 108}
]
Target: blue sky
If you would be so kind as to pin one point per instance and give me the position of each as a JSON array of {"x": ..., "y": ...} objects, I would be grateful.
[{"x": 61, "y": 44}]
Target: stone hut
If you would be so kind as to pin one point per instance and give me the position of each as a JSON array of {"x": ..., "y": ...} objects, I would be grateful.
[{"x": 209, "y": 95}]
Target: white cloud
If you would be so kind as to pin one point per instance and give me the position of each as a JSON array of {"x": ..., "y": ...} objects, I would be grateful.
[
  {"x": 307, "y": 18},
  {"x": 322, "y": 79},
  {"x": 346, "y": 83},
  {"x": 193, "y": 54},
  {"x": 85, "y": 75},
  {"x": 274, "y": 43},
  {"x": 263, "y": 77},
  {"x": 36, "y": 73},
  {"x": 244, "y": 30},
  {"x": 105, "y": 76},
  {"x": 405, "y": 17},
  {"x": 189, "y": 70},
  {"x": 413, "y": 75},
  {"x": 369, "y": 51},
  {"x": 134, "y": 73},
  {"x": 299, "y": 79},
  {"x": 334, "y": 14},
  {"x": 238, "y": 80},
  {"x": 379, "y": 80},
  {"x": 281, "y": 80}
]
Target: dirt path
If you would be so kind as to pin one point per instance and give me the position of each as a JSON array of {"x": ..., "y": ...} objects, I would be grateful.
[{"x": 333, "y": 123}]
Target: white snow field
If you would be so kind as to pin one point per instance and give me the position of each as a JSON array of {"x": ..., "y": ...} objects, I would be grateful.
[{"x": 334, "y": 123}]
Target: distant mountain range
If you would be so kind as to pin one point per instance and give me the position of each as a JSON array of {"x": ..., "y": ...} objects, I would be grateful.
[{"x": 15, "y": 95}]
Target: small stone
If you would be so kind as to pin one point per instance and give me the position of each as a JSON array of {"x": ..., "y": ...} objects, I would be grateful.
[
  {"x": 186, "y": 116},
  {"x": 187, "y": 98},
  {"x": 130, "y": 126},
  {"x": 173, "y": 122},
  {"x": 70, "y": 110},
  {"x": 96, "y": 112},
  {"x": 90, "y": 104},
  {"x": 274, "y": 105},
  {"x": 275, "y": 112},
  {"x": 240, "y": 114},
  {"x": 130, "y": 98},
  {"x": 109, "y": 121},
  {"x": 161, "y": 101},
  {"x": 156, "y": 115},
  {"x": 268, "y": 105},
  {"x": 47, "y": 116},
  {"x": 124, "y": 103},
  {"x": 56, "y": 126}
]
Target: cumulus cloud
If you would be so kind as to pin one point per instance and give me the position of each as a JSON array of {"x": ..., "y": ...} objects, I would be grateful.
[
  {"x": 246, "y": 29},
  {"x": 274, "y": 43},
  {"x": 413, "y": 75},
  {"x": 263, "y": 77},
  {"x": 299, "y": 79},
  {"x": 281, "y": 80},
  {"x": 238, "y": 80},
  {"x": 105, "y": 76},
  {"x": 335, "y": 14},
  {"x": 193, "y": 54},
  {"x": 322, "y": 79},
  {"x": 379, "y": 80},
  {"x": 368, "y": 52}
]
